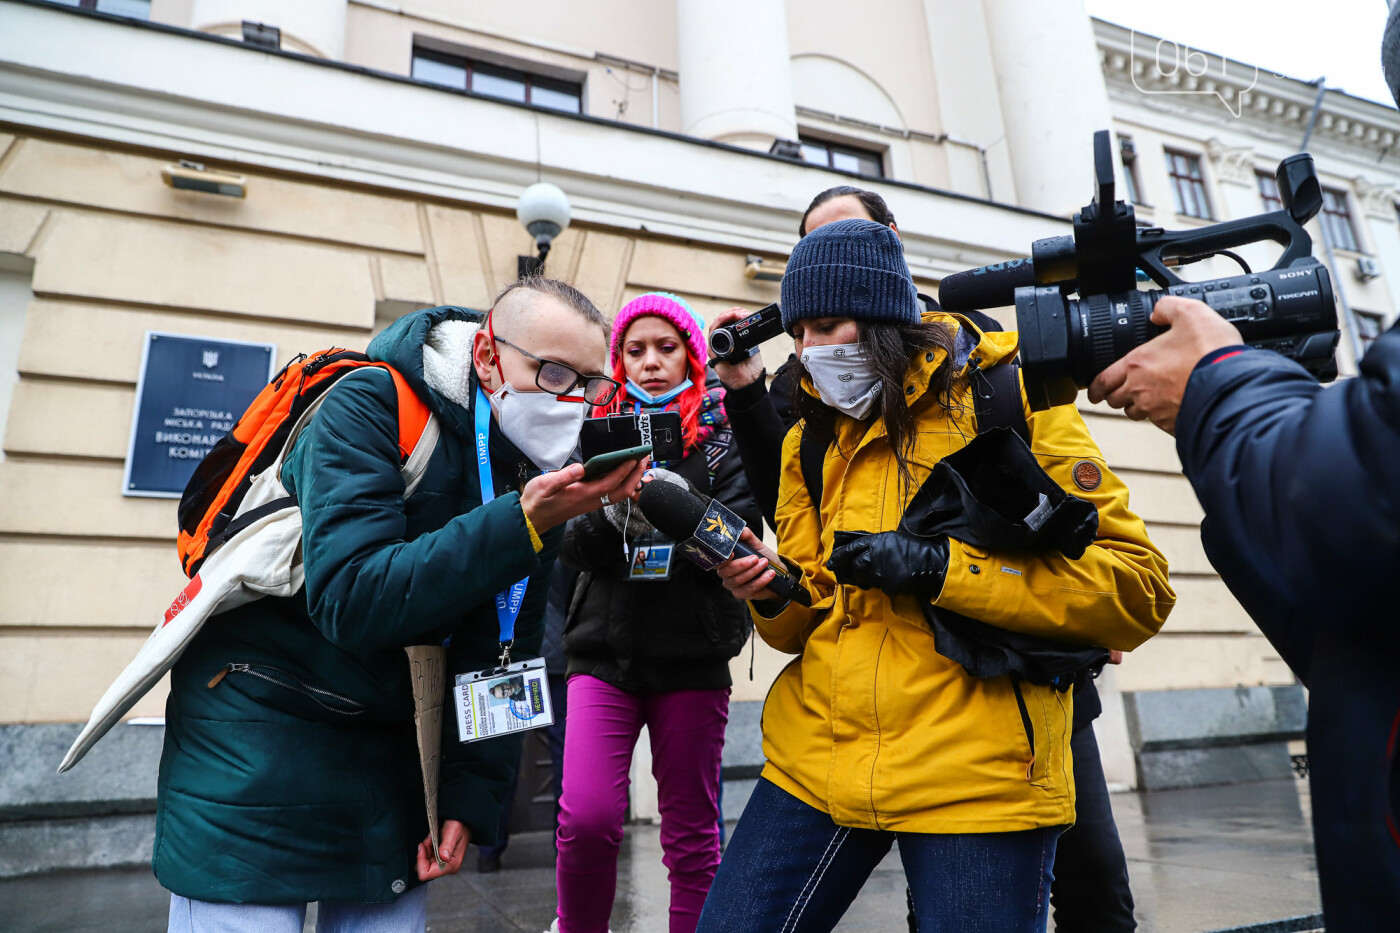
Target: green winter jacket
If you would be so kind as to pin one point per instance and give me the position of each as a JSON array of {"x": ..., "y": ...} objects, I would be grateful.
[{"x": 297, "y": 778}]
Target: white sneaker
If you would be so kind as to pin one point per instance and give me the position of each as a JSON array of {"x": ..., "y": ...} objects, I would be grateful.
[{"x": 554, "y": 927}]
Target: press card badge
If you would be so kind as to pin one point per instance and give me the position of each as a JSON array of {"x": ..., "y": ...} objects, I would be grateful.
[
  {"x": 650, "y": 559},
  {"x": 502, "y": 700}
]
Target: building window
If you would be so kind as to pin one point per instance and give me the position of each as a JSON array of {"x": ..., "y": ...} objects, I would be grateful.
[
  {"x": 1188, "y": 185},
  {"x": 1335, "y": 218},
  {"x": 1369, "y": 326},
  {"x": 843, "y": 158},
  {"x": 1127, "y": 151},
  {"x": 465, "y": 74},
  {"x": 1268, "y": 192},
  {"x": 136, "y": 9}
]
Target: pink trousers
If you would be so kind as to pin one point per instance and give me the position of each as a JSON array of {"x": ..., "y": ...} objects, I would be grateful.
[{"x": 687, "y": 736}]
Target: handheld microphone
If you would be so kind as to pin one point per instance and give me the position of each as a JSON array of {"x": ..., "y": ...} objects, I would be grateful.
[
  {"x": 708, "y": 533},
  {"x": 991, "y": 286}
]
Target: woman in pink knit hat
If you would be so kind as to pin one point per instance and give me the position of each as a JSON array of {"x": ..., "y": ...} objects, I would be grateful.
[{"x": 649, "y": 642}]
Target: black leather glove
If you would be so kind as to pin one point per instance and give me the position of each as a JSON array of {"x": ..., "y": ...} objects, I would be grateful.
[{"x": 894, "y": 561}]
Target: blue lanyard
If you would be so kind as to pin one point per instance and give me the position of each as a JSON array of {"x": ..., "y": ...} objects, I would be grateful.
[{"x": 508, "y": 602}]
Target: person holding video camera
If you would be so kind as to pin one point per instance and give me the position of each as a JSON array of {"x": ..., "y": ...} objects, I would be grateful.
[
  {"x": 1298, "y": 485},
  {"x": 1091, "y": 892},
  {"x": 1302, "y": 521},
  {"x": 872, "y": 734},
  {"x": 649, "y": 639},
  {"x": 290, "y": 772}
]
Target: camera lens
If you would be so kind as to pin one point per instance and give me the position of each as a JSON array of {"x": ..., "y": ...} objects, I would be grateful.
[
  {"x": 1066, "y": 343},
  {"x": 1103, "y": 328},
  {"x": 722, "y": 342}
]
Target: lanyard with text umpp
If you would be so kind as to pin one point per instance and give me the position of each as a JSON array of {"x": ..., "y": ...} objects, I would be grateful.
[{"x": 508, "y": 602}]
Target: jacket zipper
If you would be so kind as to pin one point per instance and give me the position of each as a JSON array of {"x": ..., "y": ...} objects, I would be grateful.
[
  {"x": 1025, "y": 722},
  {"x": 296, "y": 685}
]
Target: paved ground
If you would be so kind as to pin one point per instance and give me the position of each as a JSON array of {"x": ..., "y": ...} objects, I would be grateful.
[{"x": 1206, "y": 859}]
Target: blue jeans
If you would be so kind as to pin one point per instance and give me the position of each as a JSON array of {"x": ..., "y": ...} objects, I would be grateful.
[
  {"x": 789, "y": 868},
  {"x": 408, "y": 914}
]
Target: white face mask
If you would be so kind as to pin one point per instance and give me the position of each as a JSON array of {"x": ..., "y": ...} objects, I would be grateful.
[
  {"x": 844, "y": 378},
  {"x": 543, "y": 427}
]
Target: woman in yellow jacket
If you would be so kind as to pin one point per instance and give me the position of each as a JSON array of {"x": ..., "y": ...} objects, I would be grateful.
[{"x": 871, "y": 735}]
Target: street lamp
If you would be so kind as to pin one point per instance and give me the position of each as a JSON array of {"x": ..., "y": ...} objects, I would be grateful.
[{"x": 543, "y": 210}]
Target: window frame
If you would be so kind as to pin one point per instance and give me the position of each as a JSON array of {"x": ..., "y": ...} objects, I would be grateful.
[
  {"x": 1329, "y": 218},
  {"x": 91, "y": 6},
  {"x": 471, "y": 66},
  {"x": 1197, "y": 184},
  {"x": 833, "y": 148},
  {"x": 1267, "y": 186},
  {"x": 1131, "y": 179}
]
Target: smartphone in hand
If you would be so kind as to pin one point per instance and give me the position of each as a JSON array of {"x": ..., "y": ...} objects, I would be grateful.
[{"x": 595, "y": 467}]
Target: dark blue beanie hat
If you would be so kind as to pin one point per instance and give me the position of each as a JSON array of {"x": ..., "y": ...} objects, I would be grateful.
[{"x": 850, "y": 268}]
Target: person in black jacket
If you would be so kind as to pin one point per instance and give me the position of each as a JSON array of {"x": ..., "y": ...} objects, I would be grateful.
[
  {"x": 1302, "y": 520},
  {"x": 1091, "y": 890},
  {"x": 649, "y": 637}
]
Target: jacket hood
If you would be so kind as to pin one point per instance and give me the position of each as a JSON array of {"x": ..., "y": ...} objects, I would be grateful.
[{"x": 438, "y": 367}]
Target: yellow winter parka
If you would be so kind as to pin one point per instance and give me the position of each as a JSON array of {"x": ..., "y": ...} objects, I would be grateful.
[{"x": 869, "y": 723}]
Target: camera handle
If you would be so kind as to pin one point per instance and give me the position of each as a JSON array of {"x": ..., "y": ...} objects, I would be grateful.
[{"x": 1156, "y": 246}]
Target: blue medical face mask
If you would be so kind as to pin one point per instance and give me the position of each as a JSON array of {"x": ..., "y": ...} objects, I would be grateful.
[{"x": 665, "y": 398}]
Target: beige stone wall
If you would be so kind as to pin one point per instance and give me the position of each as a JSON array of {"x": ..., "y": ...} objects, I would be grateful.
[{"x": 86, "y": 572}]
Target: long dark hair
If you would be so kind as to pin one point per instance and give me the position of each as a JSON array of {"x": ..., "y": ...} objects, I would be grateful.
[
  {"x": 891, "y": 348},
  {"x": 874, "y": 205}
]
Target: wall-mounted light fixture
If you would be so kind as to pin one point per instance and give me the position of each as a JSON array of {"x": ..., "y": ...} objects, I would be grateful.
[
  {"x": 543, "y": 210},
  {"x": 762, "y": 270},
  {"x": 193, "y": 176}
]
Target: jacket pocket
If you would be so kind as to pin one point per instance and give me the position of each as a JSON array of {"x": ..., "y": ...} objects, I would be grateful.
[
  {"x": 1027, "y": 725},
  {"x": 326, "y": 699}
]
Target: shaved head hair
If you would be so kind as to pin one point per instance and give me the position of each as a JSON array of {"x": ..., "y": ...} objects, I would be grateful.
[{"x": 514, "y": 306}]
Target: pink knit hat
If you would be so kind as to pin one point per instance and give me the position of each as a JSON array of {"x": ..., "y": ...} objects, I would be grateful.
[{"x": 668, "y": 307}]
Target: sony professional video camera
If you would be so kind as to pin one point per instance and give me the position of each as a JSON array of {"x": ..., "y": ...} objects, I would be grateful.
[{"x": 1066, "y": 342}]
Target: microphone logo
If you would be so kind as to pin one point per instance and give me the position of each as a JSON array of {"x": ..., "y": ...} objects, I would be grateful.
[{"x": 714, "y": 538}]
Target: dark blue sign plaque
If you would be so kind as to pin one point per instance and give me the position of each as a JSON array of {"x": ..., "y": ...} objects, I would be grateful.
[{"x": 191, "y": 391}]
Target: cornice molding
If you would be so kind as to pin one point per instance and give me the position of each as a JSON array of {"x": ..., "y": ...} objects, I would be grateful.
[{"x": 1236, "y": 90}]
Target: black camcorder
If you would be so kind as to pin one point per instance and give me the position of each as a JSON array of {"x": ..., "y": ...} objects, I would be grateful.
[
  {"x": 734, "y": 343},
  {"x": 1066, "y": 342}
]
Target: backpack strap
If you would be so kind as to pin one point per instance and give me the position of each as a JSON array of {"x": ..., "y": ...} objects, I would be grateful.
[
  {"x": 414, "y": 416},
  {"x": 997, "y": 400},
  {"x": 417, "y": 463},
  {"x": 811, "y": 454}
]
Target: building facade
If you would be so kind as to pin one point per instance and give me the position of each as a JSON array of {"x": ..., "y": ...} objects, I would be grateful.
[{"x": 382, "y": 147}]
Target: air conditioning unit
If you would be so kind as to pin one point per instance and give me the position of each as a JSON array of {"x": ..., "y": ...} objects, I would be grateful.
[{"x": 1367, "y": 268}]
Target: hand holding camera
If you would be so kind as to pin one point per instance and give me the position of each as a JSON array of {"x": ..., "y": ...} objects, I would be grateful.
[
  {"x": 734, "y": 336},
  {"x": 1150, "y": 381}
]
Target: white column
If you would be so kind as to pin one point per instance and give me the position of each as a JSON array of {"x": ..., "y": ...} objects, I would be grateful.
[
  {"x": 1053, "y": 98},
  {"x": 736, "y": 77},
  {"x": 312, "y": 27},
  {"x": 968, "y": 101}
]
